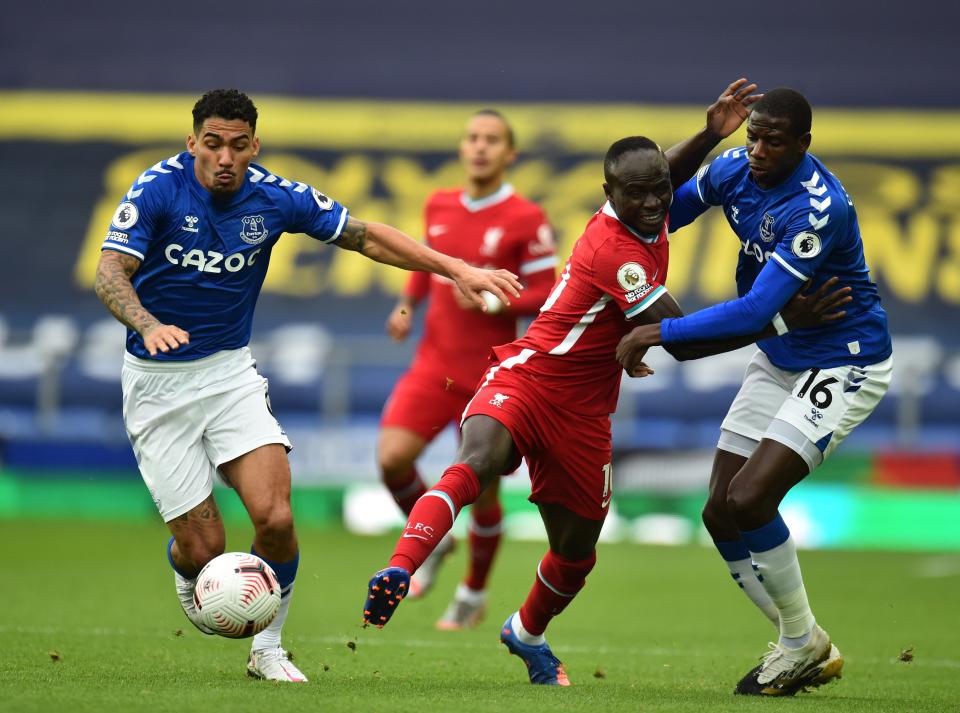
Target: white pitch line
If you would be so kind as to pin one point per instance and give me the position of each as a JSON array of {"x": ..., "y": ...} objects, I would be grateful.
[{"x": 343, "y": 639}]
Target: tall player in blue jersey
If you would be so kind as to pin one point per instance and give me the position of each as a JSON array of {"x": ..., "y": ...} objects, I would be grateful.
[
  {"x": 804, "y": 390},
  {"x": 182, "y": 266}
]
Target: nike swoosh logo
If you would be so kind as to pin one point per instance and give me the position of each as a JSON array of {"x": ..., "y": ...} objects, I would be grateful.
[
  {"x": 419, "y": 537},
  {"x": 605, "y": 502}
]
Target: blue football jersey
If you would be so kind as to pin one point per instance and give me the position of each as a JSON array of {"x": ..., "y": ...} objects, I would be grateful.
[
  {"x": 204, "y": 259},
  {"x": 806, "y": 227}
]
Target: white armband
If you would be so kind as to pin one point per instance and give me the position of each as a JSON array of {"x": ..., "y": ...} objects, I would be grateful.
[
  {"x": 779, "y": 324},
  {"x": 494, "y": 305}
]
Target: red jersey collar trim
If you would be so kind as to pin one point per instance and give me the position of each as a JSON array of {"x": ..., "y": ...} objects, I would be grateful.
[
  {"x": 608, "y": 210},
  {"x": 504, "y": 192}
]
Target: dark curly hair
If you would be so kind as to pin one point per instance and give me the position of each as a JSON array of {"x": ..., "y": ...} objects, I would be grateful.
[
  {"x": 226, "y": 104},
  {"x": 785, "y": 103}
]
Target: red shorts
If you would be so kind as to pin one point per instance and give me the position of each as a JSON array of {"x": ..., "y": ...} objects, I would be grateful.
[
  {"x": 424, "y": 402},
  {"x": 568, "y": 454}
]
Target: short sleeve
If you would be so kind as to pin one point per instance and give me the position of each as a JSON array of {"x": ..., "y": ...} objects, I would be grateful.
[
  {"x": 707, "y": 188},
  {"x": 810, "y": 236},
  {"x": 314, "y": 213},
  {"x": 138, "y": 218},
  {"x": 630, "y": 278}
]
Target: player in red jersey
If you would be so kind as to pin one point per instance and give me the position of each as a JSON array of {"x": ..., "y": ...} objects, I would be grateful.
[
  {"x": 485, "y": 223},
  {"x": 549, "y": 396}
]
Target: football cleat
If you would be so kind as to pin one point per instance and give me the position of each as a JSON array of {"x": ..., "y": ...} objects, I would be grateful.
[
  {"x": 274, "y": 665},
  {"x": 185, "y": 589},
  {"x": 543, "y": 667},
  {"x": 386, "y": 590},
  {"x": 785, "y": 671},
  {"x": 422, "y": 580},
  {"x": 465, "y": 611}
]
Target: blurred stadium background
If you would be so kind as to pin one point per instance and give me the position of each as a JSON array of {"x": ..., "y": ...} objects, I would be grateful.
[{"x": 371, "y": 115}]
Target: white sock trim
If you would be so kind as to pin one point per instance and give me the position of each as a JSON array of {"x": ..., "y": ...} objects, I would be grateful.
[
  {"x": 525, "y": 636},
  {"x": 550, "y": 586},
  {"x": 446, "y": 498}
]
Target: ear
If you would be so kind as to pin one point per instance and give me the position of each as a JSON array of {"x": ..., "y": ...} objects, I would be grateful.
[
  {"x": 805, "y": 141},
  {"x": 606, "y": 190},
  {"x": 192, "y": 144},
  {"x": 256, "y": 145}
]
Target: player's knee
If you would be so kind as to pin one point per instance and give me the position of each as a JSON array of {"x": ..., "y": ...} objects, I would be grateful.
[
  {"x": 715, "y": 516},
  {"x": 275, "y": 524},
  {"x": 745, "y": 502},
  {"x": 395, "y": 463}
]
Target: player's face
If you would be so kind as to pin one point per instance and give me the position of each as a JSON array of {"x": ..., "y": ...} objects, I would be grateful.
[
  {"x": 773, "y": 149},
  {"x": 485, "y": 149},
  {"x": 223, "y": 149},
  {"x": 640, "y": 192}
]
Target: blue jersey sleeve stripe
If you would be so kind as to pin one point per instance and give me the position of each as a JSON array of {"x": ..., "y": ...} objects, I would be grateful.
[
  {"x": 336, "y": 233},
  {"x": 647, "y": 301},
  {"x": 789, "y": 268},
  {"x": 121, "y": 248}
]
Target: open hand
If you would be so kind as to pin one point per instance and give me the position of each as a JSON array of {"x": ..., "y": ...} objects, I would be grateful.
[
  {"x": 164, "y": 337},
  {"x": 731, "y": 108},
  {"x": 814, "y": 309}
]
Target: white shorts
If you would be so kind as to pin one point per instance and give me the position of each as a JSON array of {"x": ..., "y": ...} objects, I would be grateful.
[
  {"x": 185, "y": 419},
  {"x": 809, "y": 411}
]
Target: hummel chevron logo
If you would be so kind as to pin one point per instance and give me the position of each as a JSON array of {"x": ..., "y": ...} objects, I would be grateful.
[
  {"x": 257, "y": 175},
  {"x": 820, "y": 205},
  {"x": 811, "y": 185},
  {"x": 817, "y": 224}
]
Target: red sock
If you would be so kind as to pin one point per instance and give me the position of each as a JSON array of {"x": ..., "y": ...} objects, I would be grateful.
[
  {"x": 408, "y": 491},
  {"x": 433, "y": 516},
  {"x": 484, "y": 542},
  {"x": 557, "y": 583}
]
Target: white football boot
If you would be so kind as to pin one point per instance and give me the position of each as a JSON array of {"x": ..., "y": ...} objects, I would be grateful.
[
  {"x": 185, "y": 589},
  {"x": 422, "y": 580},
  {"x": 274, "y": 665},
  {"x": 465, "y": 611},
  {"x": 786, "y": 671}
]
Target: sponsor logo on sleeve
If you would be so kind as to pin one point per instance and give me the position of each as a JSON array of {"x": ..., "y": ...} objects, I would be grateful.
[
  {"x": 117, "y": 237},
  {"x": 633, "y": 279},
  {"x": 806, "y": 245},
  {"x": 126, "y": 215},
  {"x": 324, "y": 202}
]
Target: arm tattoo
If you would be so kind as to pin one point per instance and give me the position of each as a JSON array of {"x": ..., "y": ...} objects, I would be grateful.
[
  {"x": 354, "y": 235},
  {"x": 114, "y": 289}
]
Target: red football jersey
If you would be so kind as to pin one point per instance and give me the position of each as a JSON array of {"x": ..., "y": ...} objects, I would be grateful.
[
  {"x": 501, "y": 230},
  {"x": 612, "y": 275}
]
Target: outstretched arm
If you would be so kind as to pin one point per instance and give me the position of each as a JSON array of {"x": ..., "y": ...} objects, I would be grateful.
[
  {"x": 803, "y": 311},
  {"x": 388, "y": 245},
  {"x": 115, "y": 290},
  {"x": 724, "y": 117}
]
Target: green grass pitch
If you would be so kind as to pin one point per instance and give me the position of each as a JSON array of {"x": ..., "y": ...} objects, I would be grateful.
[{"x": 656, "y": 629}]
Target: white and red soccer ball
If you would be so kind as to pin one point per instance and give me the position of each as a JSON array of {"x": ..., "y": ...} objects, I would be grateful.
[{"x": 237, "y": 595}]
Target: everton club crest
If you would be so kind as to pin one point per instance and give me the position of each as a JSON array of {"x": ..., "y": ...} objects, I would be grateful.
[
  {"x": 766, "y": 227},
  {"x": 253, "y": 231}
]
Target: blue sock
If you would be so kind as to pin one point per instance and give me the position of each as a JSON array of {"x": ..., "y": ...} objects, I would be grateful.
[
  {"x": 174, "y": 564},
  {"x": 771, "y": 535},
  {"x": 286, "y": 571}
]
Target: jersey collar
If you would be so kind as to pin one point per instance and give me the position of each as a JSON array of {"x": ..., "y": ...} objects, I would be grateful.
[
  {"x": 498, "y": 196},
  {"x": 608, "y": 210}
]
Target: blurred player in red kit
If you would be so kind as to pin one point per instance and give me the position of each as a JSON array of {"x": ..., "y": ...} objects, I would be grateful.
[{"x": 486, "y": 224}]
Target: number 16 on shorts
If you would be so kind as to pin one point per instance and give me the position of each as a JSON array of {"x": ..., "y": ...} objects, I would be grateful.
[{"x": 826, "y": 404}]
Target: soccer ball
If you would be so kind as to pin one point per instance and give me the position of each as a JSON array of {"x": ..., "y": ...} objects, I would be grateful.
[{"x": 237, "y": 595}]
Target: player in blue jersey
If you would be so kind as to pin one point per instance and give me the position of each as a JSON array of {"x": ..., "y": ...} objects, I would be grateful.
[
  {"x": 804, "y": 390},
  {"x": 181, "y": 266}
]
